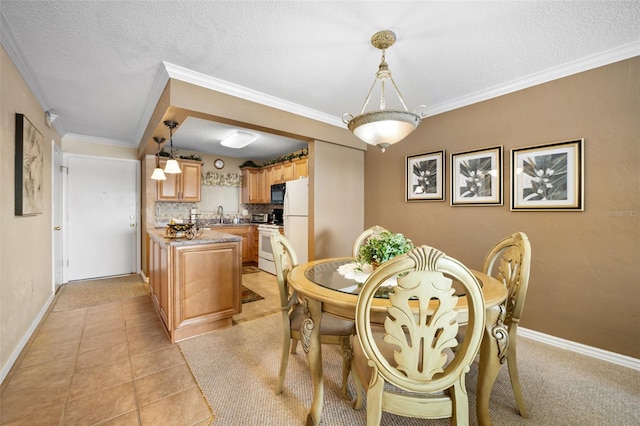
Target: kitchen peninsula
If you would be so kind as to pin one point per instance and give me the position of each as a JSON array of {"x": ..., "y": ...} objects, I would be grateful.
[{"x": 195, "y": 284}]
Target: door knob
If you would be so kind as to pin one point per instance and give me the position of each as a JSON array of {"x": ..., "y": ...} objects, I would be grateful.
[
  {"x": 56, "y": 228},
  {"x": 132, "y": 225}
]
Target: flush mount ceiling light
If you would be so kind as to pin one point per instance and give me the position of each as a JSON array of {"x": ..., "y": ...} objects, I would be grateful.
[
  {"x": 238, "y": 139},
  {"x": 172, "y": 165},
  {"x": 158, "y": 174},
  {"x": 384, "y": 127}
]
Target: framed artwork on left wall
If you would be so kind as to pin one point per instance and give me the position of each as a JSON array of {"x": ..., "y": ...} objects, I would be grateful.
[{"x": 29, "y": 165}]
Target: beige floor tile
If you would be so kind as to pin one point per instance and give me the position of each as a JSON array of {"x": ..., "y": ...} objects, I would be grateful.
[
  {"x": 102, "y": 356},
  {"x": 132, "y": 418},
  {"x": 109, "y": 338},
  {"x": 47, "y": 353},
  {"x": 187, "y": 408},
  {"x": 32, "y": 399},
  {"x": 101, "y": 406},
  {"x": 33, "y": 377},
  {"x": 139, "y": 318},
  {"x": 152, "y": 362},
  {"x": 44, "y": 417},
  {"x": 149, "y": 329},
  {"x": 148, "y": 343},
  {"x": 95, "y": 379},
  {"x": 163, "y": 383}
]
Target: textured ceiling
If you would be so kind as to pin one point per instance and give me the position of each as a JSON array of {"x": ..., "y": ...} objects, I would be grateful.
[{"x": 95, "y": 63}]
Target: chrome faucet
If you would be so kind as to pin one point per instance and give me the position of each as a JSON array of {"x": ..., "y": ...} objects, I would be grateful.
[{"x": 220, "y": 212}]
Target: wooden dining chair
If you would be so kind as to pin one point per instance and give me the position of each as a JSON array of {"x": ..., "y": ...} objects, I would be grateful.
[
  {"x": 509, "y": 261},
  {"x": 333, "y": 330},
  {"x": 407, "y": 365},
  {"x": 362, "y": 238}
]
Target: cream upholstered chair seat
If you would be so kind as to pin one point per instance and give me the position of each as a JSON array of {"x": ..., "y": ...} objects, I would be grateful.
[
  {"x": 333, "y": 330},
  {"x": 407, "y": 365}
]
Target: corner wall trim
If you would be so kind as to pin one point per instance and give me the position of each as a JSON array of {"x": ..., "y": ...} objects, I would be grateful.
[{"x": 615, "y": 358}]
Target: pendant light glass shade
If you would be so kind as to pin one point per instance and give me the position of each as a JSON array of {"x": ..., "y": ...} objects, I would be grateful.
[
  {"x": 383, "y": 127},
  {"x": 158, "y": 174},
  {"x": 172, "y": 165}
]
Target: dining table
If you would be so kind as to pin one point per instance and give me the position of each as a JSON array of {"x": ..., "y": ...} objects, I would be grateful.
[{"x": 331, "y": 286}]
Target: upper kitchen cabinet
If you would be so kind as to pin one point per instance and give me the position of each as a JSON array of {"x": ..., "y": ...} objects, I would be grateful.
[
  {"x": 253, "y": 183},
  {"x": 300, "y": 168},
  {"x": 183, "y": 187}
]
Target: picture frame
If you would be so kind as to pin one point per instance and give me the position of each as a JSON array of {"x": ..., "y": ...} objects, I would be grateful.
[
  {"x": 29, "y": 168},
  {"x": 476, "y": 177},
  {"x": 425, "y": 177},
  {"x": 548, "y": 177}
]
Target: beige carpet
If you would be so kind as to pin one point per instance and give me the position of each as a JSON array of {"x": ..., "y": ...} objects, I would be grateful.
[
  {"x": 78, "y": 294},
  {"x": 236, "y": 369}
]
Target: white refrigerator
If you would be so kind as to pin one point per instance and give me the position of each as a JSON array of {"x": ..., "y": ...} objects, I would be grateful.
[{"x": 296, "y": 217}]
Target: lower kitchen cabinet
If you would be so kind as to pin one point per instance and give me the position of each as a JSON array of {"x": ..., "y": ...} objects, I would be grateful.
[
  {"x": 195, "y": 284},
  {"x": 246, "y": 232}
]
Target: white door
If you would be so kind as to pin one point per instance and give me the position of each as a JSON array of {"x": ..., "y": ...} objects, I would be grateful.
[
  {"x": 58, "y": 255},
  {"x": 102, "y": 196}
]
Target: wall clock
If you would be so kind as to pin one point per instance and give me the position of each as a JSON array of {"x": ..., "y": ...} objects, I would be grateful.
[{"x": 218, "y": 164}]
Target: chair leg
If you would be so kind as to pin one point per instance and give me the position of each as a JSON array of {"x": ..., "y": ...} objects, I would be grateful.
[
  {"x": 347, "y": 355},
  {"x": 286, "y": 345},
  {"x": 374, "y": 402},
  {"x": 515, "y": 380}
]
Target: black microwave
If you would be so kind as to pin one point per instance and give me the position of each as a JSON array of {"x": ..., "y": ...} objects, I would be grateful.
[{"x": 277, "y": 193}]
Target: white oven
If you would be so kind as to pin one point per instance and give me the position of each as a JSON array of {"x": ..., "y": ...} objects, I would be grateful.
[{"x": 265, "y": 255}]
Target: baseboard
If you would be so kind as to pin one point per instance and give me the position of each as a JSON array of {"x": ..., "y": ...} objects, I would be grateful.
[
  {"x": 623, "y": 360},
  {"x": 25, "y": 339}
]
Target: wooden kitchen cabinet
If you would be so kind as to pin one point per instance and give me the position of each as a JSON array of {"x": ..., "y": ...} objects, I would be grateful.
[
  {"x": 300, "y": 168},
  {"x": 247, "y": 239},
  {"x": 195, "y": 285},
  {"x": 183, "y": 187},
  {"x": 253, "y": 183}
]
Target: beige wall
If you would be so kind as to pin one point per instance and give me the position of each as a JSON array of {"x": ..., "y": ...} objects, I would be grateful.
[
  {"x": 584, "y": 283},
  {"x": 26, "y": 278},
  {"x": 337, "y": 196},
  {"x": 87, "y": 147}
]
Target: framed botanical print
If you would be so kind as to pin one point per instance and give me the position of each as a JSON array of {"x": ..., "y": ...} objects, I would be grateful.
[
  {"x": 425, "y": 177},
  {"x": 548, "y": 177},
  {"x": 476, "y": 177},
  {"x": 29, "y": 168}
]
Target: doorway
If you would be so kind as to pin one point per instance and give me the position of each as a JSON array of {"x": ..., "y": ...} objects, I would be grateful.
[
  {"x": 58, "y": 227},
  {"x": 102, "y": 201}
]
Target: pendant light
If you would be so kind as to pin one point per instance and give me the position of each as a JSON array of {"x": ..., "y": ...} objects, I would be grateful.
[
  {"x": 158, "y": 174},
  {"x": 172, "y": 165},
  {"x": 384, "y": 127}
]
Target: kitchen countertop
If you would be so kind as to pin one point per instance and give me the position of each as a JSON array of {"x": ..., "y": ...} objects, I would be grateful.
[{"x": 208, "y": 237}]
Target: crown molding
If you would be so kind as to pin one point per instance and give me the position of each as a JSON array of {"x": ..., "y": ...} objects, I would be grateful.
[
  {"x": 159, "y": 83},
  {"x": 189, "y": 76},
  {"x": 8, "y": 41},
  {"x": 584, "y": 64},
  {"x": 74, "y": 137}
]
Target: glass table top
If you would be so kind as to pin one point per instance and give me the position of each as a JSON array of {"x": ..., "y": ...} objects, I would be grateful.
[{"x": 326, "y": 275}]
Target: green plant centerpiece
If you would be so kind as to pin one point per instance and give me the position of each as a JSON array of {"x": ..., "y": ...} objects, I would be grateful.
[{"x": 382, "y": 247}]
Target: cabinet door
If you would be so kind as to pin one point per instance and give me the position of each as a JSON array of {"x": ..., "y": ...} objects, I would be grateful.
[
  {"x": 168, "y": 190},
  {"x": 183, "y": 186},
  {"x": 300, "y": 168},
  {"x": 276, "y": 173},
  {"x": 260, "y": 187},
  {"x": 191, "y": 182},
  {"x": 287, "y": 172}
]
